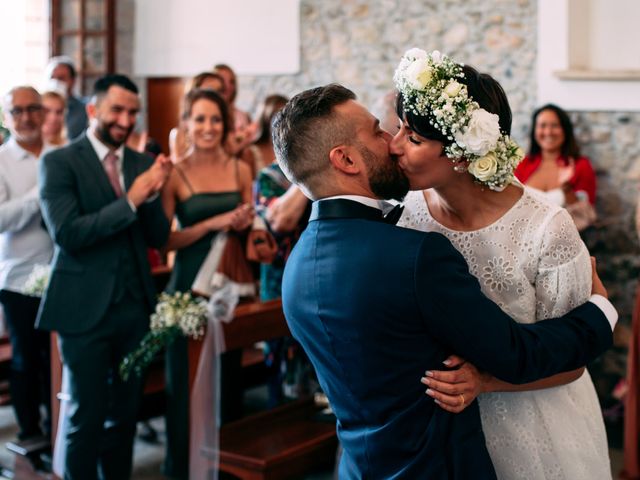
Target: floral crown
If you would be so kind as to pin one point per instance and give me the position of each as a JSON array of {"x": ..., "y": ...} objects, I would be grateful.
[{"x": 429, "y": 88}]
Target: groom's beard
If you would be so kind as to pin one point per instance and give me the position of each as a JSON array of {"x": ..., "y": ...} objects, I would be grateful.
[{"x": 386, "y": 179}]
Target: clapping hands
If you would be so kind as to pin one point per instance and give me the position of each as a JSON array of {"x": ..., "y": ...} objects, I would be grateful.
[
  {"x": 242, "y": 217},
  {"x": 566, "y": 172},
  {"x": 151, "y": 181},
  {"x": 238, "y": 219},
  {"x": 160, "y": 171}
]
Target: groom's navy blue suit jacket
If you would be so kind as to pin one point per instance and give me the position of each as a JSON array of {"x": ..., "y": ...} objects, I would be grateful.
[{"x": 374, "y": 306}]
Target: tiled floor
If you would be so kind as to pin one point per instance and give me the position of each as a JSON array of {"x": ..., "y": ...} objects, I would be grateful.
[{"x": 148, "y": 457}]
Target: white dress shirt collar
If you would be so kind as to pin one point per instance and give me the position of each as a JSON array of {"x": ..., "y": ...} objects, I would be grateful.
[
  {"x": 383, "y": 205},
  {"x": 20, "y": 153}
]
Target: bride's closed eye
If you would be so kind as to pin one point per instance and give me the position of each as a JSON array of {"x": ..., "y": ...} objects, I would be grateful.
[{"x": 414, "y": 140}]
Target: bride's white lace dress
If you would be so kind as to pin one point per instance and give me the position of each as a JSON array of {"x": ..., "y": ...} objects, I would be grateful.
[{"x": 533, "y": 264}]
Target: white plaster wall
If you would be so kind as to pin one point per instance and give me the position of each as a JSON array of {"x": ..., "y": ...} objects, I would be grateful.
[
  {"x": 183, "y": 38},
  {"x": 553, "y": 56}
]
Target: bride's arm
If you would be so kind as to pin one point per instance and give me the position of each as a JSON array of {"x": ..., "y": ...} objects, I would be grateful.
[
  {"x": 492, "y": 384},
  {"x": 456, "y": 389}
]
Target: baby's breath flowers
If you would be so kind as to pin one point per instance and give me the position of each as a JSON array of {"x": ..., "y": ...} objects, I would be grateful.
[
  {"x": 38, "y": 280},
  {"x": 177, "y": 314},
  {"x": 430, "y": 87}
]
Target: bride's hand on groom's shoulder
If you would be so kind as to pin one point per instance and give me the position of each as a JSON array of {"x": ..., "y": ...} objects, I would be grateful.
[{"x": 456, "y": 388}]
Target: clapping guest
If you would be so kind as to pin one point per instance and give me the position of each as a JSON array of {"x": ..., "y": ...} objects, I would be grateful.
[
  {"x": 178, "y": 143},
  {"x": 24, "y": 243},
  {"x": 208, "y": 192},
  {"x": 100, "y": 202},
  {"x": 555, "y": 166}
]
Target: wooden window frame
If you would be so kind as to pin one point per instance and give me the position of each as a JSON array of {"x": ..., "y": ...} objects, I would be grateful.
[{"x": 82, "y": 33}]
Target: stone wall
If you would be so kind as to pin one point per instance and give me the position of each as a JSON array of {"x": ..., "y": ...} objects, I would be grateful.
[
  {"x": 611, "y": 141},
  {"x": 358, "y": 43}
]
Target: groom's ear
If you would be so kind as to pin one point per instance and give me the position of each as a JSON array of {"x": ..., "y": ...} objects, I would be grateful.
[{"x": 341, "y": 157}]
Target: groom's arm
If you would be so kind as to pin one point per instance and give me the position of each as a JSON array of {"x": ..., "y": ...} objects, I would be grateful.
[{"x": 457, "y": 313}]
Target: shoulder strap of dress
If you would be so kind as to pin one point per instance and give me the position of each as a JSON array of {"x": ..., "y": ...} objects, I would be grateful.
[
  {"x": 184, "y": 178},
  {"x": 235, "y": 163}
]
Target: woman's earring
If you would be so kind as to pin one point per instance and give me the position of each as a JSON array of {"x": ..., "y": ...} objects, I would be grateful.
[{"x": 460, "y": 167}]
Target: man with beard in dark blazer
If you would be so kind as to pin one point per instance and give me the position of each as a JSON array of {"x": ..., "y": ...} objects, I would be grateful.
[{"x": 101, "y": 205}]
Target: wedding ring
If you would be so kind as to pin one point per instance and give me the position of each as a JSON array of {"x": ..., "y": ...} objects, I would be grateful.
[{"x": 462, "y": 398}]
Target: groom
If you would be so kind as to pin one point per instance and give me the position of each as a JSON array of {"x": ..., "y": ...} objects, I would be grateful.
[{"x": 374, "y": 305}]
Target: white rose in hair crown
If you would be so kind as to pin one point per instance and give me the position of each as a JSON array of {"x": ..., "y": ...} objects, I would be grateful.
[
  {"x": 430, "y": 87},
  {"x": 481, "y": 134},
  {"x": 485, "y": 167}
]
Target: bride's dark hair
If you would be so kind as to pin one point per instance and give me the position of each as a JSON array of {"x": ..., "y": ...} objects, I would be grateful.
[{"x": 482, "y": 88}]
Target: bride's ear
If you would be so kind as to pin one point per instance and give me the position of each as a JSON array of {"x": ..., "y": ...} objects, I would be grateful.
[{"x": 341, "y": 157}]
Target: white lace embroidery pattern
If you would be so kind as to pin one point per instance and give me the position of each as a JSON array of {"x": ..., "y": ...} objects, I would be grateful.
[{"x": 533, "y": 264}]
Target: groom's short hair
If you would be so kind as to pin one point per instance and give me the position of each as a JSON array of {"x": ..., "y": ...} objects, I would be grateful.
[{"x": 305, "y": 131}]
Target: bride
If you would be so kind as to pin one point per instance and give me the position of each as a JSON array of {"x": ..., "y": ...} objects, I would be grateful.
[{"x": 527, "y": 255}]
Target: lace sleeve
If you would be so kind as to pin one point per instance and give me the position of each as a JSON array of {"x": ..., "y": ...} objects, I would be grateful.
[{"x": 563, "y": 280}]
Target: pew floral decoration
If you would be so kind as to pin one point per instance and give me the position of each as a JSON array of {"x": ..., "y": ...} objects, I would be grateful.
[
  {"x": 37, "y": 281},
  {"x": 178, "y": 314}
]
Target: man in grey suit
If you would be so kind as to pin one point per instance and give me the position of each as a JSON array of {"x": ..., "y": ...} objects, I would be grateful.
[{"x": 99, "y": 201}]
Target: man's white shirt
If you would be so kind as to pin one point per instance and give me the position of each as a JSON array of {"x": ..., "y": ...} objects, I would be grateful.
[{"x": 24, "y": 242}]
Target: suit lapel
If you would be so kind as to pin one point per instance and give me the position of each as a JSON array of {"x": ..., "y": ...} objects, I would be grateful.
[
  {"x": 96, "y": 173},
  {"x": 128, "y": 168}
]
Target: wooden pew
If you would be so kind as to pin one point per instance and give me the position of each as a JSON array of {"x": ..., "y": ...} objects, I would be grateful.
[{"x": 281, "y": 443}]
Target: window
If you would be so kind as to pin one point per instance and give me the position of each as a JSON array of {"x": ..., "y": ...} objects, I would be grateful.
[
  {"x": 585, "y": 60},
  {"x": 24, "y": 37},
  {"x": 602, "y": 35},
  {"x": 85, "y": 31}
]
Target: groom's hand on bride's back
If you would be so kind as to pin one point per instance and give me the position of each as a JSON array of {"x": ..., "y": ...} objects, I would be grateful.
[{"x": 597, "y": 288}]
